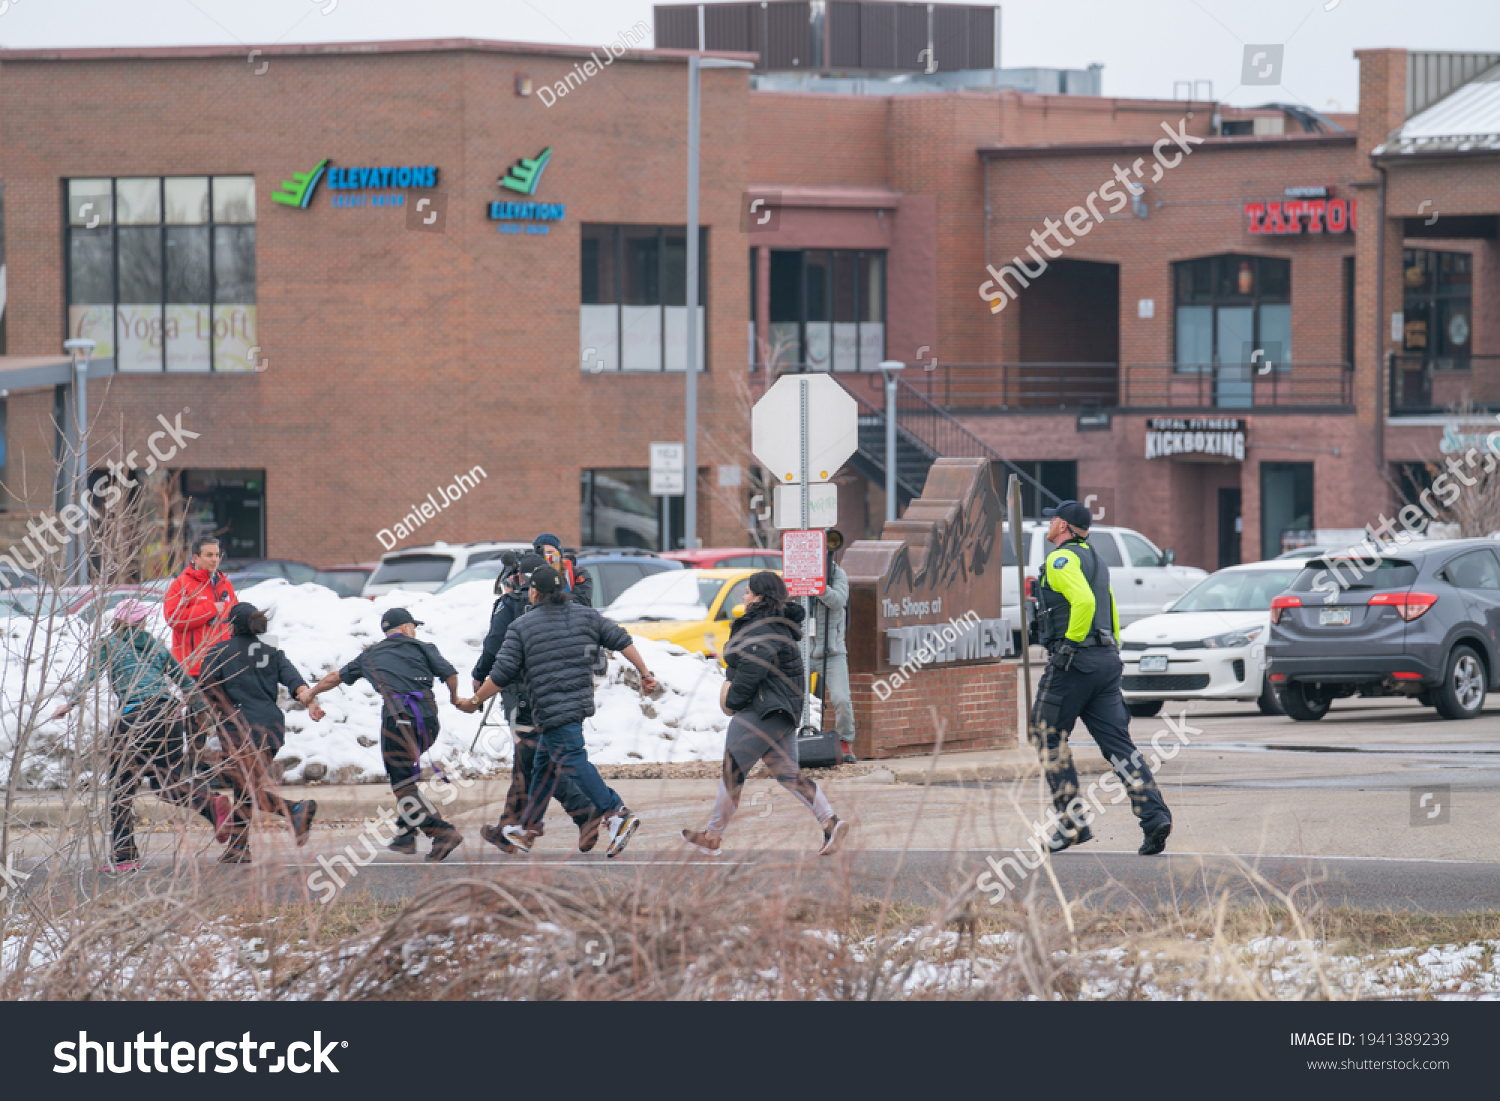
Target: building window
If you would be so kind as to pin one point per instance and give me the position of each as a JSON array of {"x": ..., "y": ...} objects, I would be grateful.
[
  {"x": 1438, "y": 308},
  {"x": 161, "y": 271},
  {"x": 827, "y": 309},
  {"x": 230, "y": 504},
  {"x": 1060, "y": 478},
  {"x": 633, "y": 298},
  {"x": 1228, "y": 307},
  {"x": 1286, "y": 507},
  {"x": 618, "y": 510}
]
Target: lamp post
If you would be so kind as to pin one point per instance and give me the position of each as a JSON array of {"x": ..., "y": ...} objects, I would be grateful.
[
  {"x": 82, "y": 351},
  {"x": 891, "y": 369},
  {"x": 690, "y": 435}
]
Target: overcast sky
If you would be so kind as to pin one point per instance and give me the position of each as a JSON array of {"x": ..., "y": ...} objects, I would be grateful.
[{"x": 1144, "y": 45}]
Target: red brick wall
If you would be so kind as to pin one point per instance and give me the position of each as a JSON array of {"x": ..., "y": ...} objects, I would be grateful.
[
  {"x": 977, "y": 704},
  {"x": 396, "y": 359}
]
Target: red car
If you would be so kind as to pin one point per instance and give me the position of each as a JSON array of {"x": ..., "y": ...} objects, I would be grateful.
[{"x": 727, "y": 558}]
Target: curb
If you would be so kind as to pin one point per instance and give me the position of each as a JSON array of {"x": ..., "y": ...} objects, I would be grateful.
[{"x": 1087, "y": 764}]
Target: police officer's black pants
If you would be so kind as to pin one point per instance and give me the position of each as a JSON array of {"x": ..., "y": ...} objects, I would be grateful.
[{"x": 1090, "y": 690}]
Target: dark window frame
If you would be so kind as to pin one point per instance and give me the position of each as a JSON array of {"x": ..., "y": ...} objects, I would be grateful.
[
  {"x": 860, "y": 302},
  {"x": 617, "y": 236},
  {"x": 1214, "y": 301},
  {"x": 162, "y": 227}
]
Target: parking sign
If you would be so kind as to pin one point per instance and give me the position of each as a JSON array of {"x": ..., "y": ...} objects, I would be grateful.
[{"x": 804, "y": 559}]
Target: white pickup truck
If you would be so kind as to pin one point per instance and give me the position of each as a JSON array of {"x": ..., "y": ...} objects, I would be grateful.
[{"x": 1143, "y": 576}]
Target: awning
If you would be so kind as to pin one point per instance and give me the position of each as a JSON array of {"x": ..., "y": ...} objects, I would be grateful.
[{"x": 36, "y": 372}]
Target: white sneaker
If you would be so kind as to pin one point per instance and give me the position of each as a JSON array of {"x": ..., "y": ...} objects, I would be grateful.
[
  {"x": 833, "y": 836},
  {"x": 521, "y": 838},
  {"x": 621, "y": 825}
]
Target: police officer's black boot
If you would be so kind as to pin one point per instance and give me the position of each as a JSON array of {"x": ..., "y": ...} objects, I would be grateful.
[{"x": 1068, "y": 833}]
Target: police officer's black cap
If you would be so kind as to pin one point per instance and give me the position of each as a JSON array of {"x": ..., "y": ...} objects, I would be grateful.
[
  {"x": 1072, "y": 512},
  {"x": 396, "y": 617}
]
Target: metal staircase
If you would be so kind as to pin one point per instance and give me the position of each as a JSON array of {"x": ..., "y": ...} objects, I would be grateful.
[{"x": 924, "y": 432}]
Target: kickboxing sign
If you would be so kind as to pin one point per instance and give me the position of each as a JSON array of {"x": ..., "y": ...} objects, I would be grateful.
[
  {"x": 804, "y": 562},
  {"x": 1287, "y": 217}
]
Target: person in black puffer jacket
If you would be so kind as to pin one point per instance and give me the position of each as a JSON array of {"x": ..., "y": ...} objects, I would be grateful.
[
  {"x": 242, "y": 677},
  {"x": 763, "y": 659},
  {"x": 513, "y": 584},
  {"x": 553, "y": 647}
]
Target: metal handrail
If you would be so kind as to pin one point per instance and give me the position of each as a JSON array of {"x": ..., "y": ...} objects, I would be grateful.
[
  {"x": 1458, "y": 366},
  {"x": 952, "y": 436},
  {"x": 1202, "y": 380}
]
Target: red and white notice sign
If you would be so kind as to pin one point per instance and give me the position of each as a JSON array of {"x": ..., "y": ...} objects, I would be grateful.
[{"x": 804, "y": 561}]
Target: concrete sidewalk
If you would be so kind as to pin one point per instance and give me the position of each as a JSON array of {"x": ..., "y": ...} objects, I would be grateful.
[{"x": 344, "y": 802}]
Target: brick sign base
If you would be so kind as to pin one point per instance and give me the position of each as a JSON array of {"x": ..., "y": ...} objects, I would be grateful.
[{"x": 976, "y": 702}]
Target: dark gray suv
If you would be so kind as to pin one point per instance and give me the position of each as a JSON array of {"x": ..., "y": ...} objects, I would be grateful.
[{"x": 1417, "y": 621}]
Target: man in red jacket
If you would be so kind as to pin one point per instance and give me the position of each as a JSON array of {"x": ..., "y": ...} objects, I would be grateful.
[{"x": 197, "y": 606}]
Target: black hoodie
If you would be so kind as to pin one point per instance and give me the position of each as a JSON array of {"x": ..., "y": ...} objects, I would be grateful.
[
  {"x": 764, "y": 660},
  {"x": 250, "y": 670}
]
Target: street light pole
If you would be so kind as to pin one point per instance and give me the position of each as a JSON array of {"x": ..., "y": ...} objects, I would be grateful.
[
  {"x": 891, "y": 369},
  {"x": 77, "y": 553},
  {"x": 690, "y": 435}
]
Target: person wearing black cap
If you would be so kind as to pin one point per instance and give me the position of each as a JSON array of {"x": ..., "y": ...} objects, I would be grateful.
[
  {"x": 402, "y": 669},
  {"x": 1078, "y": 623},
  {"x": 552, "y": 648},
  {"x": 549, "y": 547},
  {"x": 242, "y": 677},
  {"x": 514, "y": 601}
]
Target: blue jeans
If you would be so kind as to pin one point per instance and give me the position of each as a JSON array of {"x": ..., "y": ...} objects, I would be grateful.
[{"x": 560, "y": 750}]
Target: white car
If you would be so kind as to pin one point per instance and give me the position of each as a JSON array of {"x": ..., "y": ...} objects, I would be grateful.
[
  {"x": 1210, "y": 644},
  {"x": 1142, "y": 576},
  {"x": 424, "y": 569}
]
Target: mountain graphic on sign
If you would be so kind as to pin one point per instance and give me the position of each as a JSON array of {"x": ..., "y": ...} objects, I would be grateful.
[
  {"x": 526, "y": 173},
  {"x": 298, "y": 191}
]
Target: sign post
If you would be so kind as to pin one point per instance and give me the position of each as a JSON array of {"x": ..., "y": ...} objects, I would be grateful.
[
  {"x": 1013, "y": 499},
  {"x": 798, "y": 451}
]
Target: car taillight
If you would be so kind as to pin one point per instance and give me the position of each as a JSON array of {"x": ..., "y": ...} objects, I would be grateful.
[
  {"x": 1286, "y": 600},
  {"x": 1408, "y": 605}
]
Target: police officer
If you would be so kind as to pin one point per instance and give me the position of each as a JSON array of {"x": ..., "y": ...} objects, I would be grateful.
[{"x": 1078, "y": 622}]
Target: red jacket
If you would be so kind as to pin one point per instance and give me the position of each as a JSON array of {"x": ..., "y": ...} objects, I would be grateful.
[{"x": 195, "y": 619}]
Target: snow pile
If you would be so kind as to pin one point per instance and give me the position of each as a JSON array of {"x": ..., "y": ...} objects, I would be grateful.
[{"x": 320, "y": 631}]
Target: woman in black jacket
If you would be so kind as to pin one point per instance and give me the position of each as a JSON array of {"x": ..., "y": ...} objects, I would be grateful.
[
  {"x": 242, "y": 677},
  {"x": 764, "y": 694}
]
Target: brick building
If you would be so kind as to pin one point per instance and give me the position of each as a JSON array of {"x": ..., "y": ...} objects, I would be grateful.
[{"x": 1265, "y": 342}]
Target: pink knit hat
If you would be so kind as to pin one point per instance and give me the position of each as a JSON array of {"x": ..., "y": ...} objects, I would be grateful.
[{"x": 132, "y": 611}]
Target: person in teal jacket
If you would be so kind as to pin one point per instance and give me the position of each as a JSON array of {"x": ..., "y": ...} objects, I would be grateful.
[{"x": 148, "y": 738}]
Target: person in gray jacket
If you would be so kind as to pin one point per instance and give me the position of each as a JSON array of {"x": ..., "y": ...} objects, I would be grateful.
[
  {"x": 552, "y": 650},
  {"x": 830, "y": 654}
]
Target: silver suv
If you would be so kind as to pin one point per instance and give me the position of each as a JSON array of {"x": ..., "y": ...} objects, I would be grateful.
[{"x": 424, "y": 569}]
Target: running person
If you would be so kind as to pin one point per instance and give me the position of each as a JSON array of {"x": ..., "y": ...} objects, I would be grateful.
[
  {"x": 763, "y": 659},
  {"x": 242, "y": 677},
  {"x": 552, "y": 648},
  {"x": 402, "y": 669},
  {"x": 148, "y": 738},
  {"x": 508, "y": 608}
]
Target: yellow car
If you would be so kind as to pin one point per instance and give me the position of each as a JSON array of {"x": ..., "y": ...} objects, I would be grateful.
[{"x": 693, "y": 608}]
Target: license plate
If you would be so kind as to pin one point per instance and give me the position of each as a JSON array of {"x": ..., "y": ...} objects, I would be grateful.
[
  {"x": 1154, "y": 663},
  {"x": 1333, "y": 617}
]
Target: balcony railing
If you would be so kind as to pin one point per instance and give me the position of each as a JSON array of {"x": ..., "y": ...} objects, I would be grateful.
[
  {"x": 1237, "y": 385},
  {"x": 992, "y": 387},
  {"x": 1426, "y": 385}
]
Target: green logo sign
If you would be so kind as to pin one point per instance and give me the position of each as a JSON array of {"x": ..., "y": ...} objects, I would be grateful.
[
  {"x": 298, "y": 191},
  {"x": 526, "y": 173}
]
